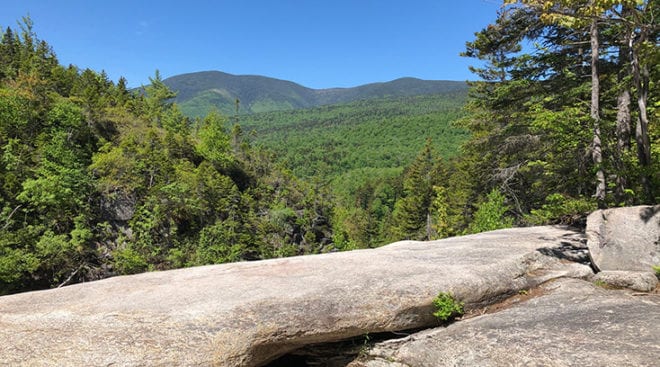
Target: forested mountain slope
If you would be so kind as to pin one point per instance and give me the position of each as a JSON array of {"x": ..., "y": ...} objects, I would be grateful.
[
  {"x": 361, "y": 152},
  {"x": 198, "y": 93},
  {"x": 376, "y": 133},
  {"x": 97, "y": 181}
]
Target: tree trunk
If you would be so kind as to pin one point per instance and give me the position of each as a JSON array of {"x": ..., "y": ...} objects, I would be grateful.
[
  {"x": 597, "y": 151},
  {"x": 641, "y": 79},
  {"x": 623, "y": 123},
  {"x": 623, "y": 117},
  {"x": 642, "y": 129},
  {"x": 429, "y": 226}
]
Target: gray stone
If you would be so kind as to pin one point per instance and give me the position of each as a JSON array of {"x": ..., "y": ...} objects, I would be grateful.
[
  {"x": 246, "y": 314},
  {"x": 118, "y": 206},
  {"x": 643, "y": 281},
  {"x": 575, "y": 324},
  {"x": 624, "y": 238}
]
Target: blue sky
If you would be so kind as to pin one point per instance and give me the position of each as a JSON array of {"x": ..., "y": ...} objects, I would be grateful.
[{"x": 319, "y": 44}]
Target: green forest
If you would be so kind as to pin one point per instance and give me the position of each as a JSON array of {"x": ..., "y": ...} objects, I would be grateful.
[
  {"x": 98, "y": 180},
  {"x": 359, "y": 152},
  {"x": 331, "y": 140}
]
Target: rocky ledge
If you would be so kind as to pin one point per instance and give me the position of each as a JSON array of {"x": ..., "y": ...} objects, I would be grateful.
[
  {"x": 572, "y": 323},
  {"x": 251, "y": 314}
]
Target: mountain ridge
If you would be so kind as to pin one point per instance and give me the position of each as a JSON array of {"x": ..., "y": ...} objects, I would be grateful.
[{"x": 200, "y": 92}]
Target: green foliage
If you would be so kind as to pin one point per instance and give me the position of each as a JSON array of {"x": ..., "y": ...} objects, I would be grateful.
[
  {"x": 440, "y": 214},
  {"x": 557, "y": 207},
  {"x": 532, "y": 130},
  {"x": 656, "y": 268},
  {"x": 158, "y": 100},
  {"x": 219, "y": 243},
  {"x": 129, "y": 261},
  {"x": 214, "y": 140},
  {"x": 491, "y": 214},
  {"x": 97, "y": 181},
  {"x": 447, "y": 307},
  {"x": 16, "y": 259},
  {"x": 14, "y": 114},
  {"x": 360, "y": 151},
  {"x": 602, "y": 284},
  {"x": 413, "y": 211},
  {"x": 330, "y": 141},
  {"x": 364, "y": 348},
  {"x": 56, "y": 253}
]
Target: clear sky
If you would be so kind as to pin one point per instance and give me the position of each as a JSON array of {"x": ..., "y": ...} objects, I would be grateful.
[{"x": 319, "y": 44}]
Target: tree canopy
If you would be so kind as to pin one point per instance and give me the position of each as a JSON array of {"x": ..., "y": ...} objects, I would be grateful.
[
  {"x": 552, "y": 116},
  {"x": 97, "y": 180}
]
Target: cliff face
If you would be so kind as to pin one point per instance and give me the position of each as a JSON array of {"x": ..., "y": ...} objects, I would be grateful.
[{"x": 249, "y": 314}]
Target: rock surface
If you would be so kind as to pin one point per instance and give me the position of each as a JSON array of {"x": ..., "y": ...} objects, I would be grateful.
[
  {"x": 575, "y": 324},
  {"x": 624, "y": 238},
  {"x": 246, "y": 314},
  {"x": 643, "y": 281}
]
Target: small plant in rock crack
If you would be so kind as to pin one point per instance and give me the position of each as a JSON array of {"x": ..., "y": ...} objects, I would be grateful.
[
  {"x": 600, "y": 283},
  {"x": 446, "y": 306},
  {"x": 364, "y": 349},
  {"x": 656, "y": 268}
]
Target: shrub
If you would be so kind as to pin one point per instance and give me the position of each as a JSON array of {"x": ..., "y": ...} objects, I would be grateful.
[
  {"x": 491, "y": 214},
  {"x": 557, "y": 206},
  {"x": 446, "y": 306},
  {"x": 129, "y": 261}
]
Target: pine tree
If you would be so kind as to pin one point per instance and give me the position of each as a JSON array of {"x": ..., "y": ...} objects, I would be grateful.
[
  {"x": 414, "y": 211},
  {"x": 552, "y": 123},
  {"x": 9, "y": 60}
]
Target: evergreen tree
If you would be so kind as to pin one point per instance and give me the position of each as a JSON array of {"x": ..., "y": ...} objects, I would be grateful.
[
  {"x": 9, "y": 60},
  {"x": 413, "y": 212},
  {"x": 542, "y": 123},
  {"x": 491, "y": 214}
]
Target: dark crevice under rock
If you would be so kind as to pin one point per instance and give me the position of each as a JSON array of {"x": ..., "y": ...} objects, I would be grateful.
[{"x": 336, "y": 354}]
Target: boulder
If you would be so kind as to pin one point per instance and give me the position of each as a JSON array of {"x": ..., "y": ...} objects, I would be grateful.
[
  {"x": 624, "y": 238},
  {"x": 247, "y": 314},
  {"x": 574, "y": 324},
  {"x": 643, "y": 281}
]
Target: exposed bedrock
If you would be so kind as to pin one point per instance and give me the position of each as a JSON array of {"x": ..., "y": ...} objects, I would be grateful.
[{"x": 247, "y": 314}]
